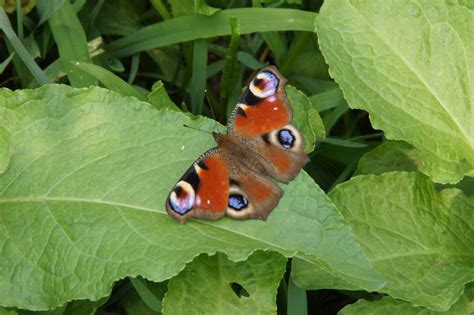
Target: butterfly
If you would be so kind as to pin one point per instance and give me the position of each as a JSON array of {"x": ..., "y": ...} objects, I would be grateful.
[{"x": 235, "y": 178}]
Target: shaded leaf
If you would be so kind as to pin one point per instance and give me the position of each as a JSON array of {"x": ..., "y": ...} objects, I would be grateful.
[
  {"x": 388, "y": 305},
  {"x": 217, "y": 285}
]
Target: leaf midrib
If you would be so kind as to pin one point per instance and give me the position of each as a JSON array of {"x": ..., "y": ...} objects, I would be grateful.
[
  {"x": 285, "y": 252},
  {"x": 437, "y": 252}
]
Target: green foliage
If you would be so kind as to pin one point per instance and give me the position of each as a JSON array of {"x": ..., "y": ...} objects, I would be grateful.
[
  {"x": 411, "y": 74},
  {"x": 90, "y": 221},
  {"x": 388, "y": 305},
  {"x": 246, "y": 287},
  {"x": 419, "y": 239},
  {"x": 85, "y": 170}
]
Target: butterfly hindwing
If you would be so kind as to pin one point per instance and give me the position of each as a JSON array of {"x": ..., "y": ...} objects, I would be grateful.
[
  {"x": 251, "y": 195},
  {"x": 217, "y": 184}
]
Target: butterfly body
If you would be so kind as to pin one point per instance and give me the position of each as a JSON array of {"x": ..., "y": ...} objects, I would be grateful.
[{"x": 235, "y": 178}]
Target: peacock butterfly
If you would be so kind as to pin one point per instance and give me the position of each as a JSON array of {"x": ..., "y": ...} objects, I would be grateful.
[{"x": 234, "y": 178}]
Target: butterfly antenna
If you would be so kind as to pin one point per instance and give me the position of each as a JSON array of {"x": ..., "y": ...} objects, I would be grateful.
[
  {"x": 212, "y": 110},
  {"x": 184, "y": 125}
]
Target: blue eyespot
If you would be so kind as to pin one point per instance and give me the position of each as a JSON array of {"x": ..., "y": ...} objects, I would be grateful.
[
  {"x": 238, "y": 202},
  {"x": 181, "y": 199},
  {"x": 286, "y": 138}
]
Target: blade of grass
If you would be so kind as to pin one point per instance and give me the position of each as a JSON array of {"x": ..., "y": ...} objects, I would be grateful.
[
  {"x": 345, "y": 174},
  {"x": 146, "y": 295},
  {"x": 297, "y": 304},
  {"x": 191, "y": 27},
  {"x": 110, "y": 80},
  {"x": 46, "y": 8},
  {"x": 19, "y": 21},
  {"x": 332, "y": 116},
  {"x": 198, "y": 79},
  {"x": 328, "y": 99},
  {"x": 231, "y": 66},
  {"x": 215, "y": 67},
  {"x": 297, "y": 45},
  {"x": 275, "y": 40},
  {"x": 21, "y": 71},
  {"x": 311, "y": 85},
  {"x": 55, "y": 70},
  {"x": 78, "y": 4},
  {"x": 249, "y": 61},
  {"x": 344, "y": 143},
  {"x": 20, "y": 50},
  {"x": 72, "y": 44},
  {"x": 5, "y": 63},
  {"x": 161, "y": 8},
  {"x": 94, "y": 14},
  {"x": 134, "y": 68}
]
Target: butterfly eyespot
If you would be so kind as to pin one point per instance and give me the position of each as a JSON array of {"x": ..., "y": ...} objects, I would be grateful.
[
  {"x": 286, "y": 138},
  {"x": 257, "y": 82},
  {"x": 264, "y": 85},
  {"x": 238, "y": 202},
  {"x": 181, "y": 199}
]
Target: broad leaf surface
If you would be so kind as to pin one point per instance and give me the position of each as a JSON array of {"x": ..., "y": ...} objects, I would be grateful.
[
  {"x": 306, "y": 118},
  {"x": 82, "y": 202},
  {"x": 419, "y": 239},
  {"x": 410, "y": 65},
  {"x": 388, "y": 305},
  {"x": 204, "y": 287}
]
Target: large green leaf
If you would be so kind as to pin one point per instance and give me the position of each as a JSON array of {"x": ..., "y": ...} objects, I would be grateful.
[
  {"x": 419, "y": 239},
  {"x": 4, "y": 149},
  {"x": 388, "y": 305},
  {"x": 82, "y": 201},
  {"x": 410, "y": 65},
  {"x": 216, "y": 285},
  {"x": 401, "y": 156}
]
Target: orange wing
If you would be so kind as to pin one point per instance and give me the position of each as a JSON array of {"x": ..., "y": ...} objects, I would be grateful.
[{"x": 203, "y": 191}]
